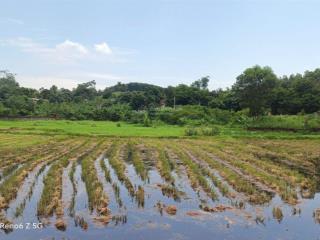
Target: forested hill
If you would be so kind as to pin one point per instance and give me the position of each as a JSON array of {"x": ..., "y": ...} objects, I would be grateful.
[{"x": 257, "y": 90}]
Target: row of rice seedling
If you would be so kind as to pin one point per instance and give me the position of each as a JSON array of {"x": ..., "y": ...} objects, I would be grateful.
[
  {"x": 116, "y": 161},
  {"x": 291, "y": 172},
  {"x": 25, "y": 147},
  {"x": 20, "y": 208},
  {"x": 118, "y": 153},
  {"x": 115, "y": 187},
  {"x": 300, "y": 155},
  {"x": 74, "y": 189},
  {"x": 134, "y": 152},
  {"x": 75, "y": 161},
  {"x": 283, "y": 165},
  {"x": 196, "y": 174},
  {"x": 238, "y": 183},
  {"x": 165, "y": 166},
  {"x": 10, "y": 187},
  {"x": 50, "y": 201},
  {"x": 34, "y": 153},
  {"x": 105, "y": 170},
  {"x": 11, "y": 142},
  {"x": 282, "y": 187},
  {"x": 98, "y": 199},
  {"x": 207, "y": 171},
  {"x": 297, "y": 173}
]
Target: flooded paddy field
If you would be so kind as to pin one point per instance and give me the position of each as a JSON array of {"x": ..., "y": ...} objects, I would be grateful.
[{"x": 143, "y": 188}]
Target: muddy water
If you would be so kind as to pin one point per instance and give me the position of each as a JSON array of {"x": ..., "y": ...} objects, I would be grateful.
[
  {"x": 30, "y": 211},
  {"x": 251, "y": 222},
  {"x": 113, "y": 206},
  {"x": 11, "y": 172},
  {"x": 67, "y": 189},
  {"x": 23, "y": 192}
]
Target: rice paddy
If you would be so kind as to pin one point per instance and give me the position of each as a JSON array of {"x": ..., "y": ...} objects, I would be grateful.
[{"x": 83, "y": 187}]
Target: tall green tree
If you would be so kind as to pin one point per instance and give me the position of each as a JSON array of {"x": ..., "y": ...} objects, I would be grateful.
[{"x": 254, "y": 88}]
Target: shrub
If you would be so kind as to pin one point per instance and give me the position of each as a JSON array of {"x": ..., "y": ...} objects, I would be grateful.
[
  {"x": 146, "y": 121},
  {"x": 210, "y": 131},
  {"x": 191, "y": 132}
]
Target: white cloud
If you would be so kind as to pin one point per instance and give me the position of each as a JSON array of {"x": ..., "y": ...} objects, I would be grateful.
[
  {"x": 65, "y": 52},
  {"x": 103, "y": 48},
  {"x": 69, "y": 51},
  {"x": 73, "y": 47}
]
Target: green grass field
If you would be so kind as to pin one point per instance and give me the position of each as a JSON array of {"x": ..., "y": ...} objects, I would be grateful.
[
  {"x": 96, "y": 128},
  {"x": 121, "y": 129},
  {"x": 309, "y": 122}
]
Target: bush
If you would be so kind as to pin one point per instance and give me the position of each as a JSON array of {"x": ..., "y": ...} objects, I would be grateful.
[
  {"x": 136, "y": 117},
  {"x": 146, "y": 121},
  {"x": 202, "y": 131},
  {"x": 191, "y": 132},
  {"x": 210, "y": 131}
]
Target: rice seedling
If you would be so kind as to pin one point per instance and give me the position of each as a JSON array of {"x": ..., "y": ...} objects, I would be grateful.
[
  {"x": 116, "y": 190},
  {"x": 116, "y": 161},
  {"x": 279, "y": 185},
  {"x": 106, "y": 170},
  {"x": 80, "y": 221},
  {"x": 20, "y": 208},
  {"x": 74, "y": 189},
  {"x": 119, "y": 219},
  {"x": 98, "y": 200},
  {"x": 171, "y": 191},
  {"x": 115, "y": 187},
  {"x": 5, "y": 221},
  {"x": 139, "y": 166},
  {"x": 165, "y": 167},
  {"x": 195, "y": 173},
  {"x": 237, "y": 182},
  {"x": 316, "y": 215},
  {"x": 277, "y": 214},
  {"x": 140, "y": 196},
  {"x": 50, "y": 201}
]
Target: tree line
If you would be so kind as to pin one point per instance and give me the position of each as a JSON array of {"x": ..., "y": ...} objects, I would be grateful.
[{"x": 257, "y": 91}]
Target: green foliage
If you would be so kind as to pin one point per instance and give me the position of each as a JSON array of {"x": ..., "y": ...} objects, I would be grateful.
[
  {"x": 293, "y": 123},
  {"x": 191, "y": 132},
  {"x": 202, "y": 131},
  {"x": 146, "y": 121},
  {"x": 202, "y": 83},
  {"x": 210, "y": 131},
  {"x": 254, "y": 87},
  {"x": 257, "y": 89}
]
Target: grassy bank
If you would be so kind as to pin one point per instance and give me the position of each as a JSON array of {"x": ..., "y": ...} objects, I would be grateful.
[
  {"x": 96, "y": 128},
  {"x": 309, "y": 123},
  {"x": 266, "y": 128}
]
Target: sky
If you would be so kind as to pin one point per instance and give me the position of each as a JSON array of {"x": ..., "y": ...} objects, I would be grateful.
[{"x": 162, "y": 42}]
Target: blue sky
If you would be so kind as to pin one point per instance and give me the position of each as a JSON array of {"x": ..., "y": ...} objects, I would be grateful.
[{"x": 163, "y": 42}]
